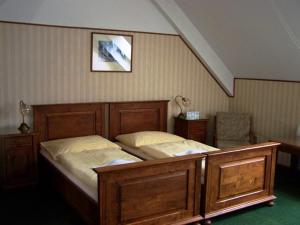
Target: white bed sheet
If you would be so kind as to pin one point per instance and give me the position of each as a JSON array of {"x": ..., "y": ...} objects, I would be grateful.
[
  {"x": 138, "y": 153},
  {"x": 92, "y": 193}
]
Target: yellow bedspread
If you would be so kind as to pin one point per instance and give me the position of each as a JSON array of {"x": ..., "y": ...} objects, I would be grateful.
[
  {"x": 81, "y": 164},
  {"x": 164, "y": 150}
]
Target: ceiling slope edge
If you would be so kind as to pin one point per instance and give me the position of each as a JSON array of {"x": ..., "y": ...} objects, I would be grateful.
[{"x": 197, "y": 42}]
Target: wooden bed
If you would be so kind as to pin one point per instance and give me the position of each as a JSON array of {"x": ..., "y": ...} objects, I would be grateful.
[
  {"x": 149, "y": 192},
  {"x": 234, "y": 178}
]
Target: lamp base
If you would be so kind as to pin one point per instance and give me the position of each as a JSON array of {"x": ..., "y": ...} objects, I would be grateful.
[
  {"x": 24, "y": 128},
  {"x": 181, "y": 116}
]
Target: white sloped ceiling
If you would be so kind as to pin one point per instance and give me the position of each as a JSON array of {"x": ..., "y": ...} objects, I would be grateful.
[
  {"x": 135, "y": 15},
  {"x": 255, "y": 39}
]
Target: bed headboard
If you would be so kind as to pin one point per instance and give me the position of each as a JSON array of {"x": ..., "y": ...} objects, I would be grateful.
[
  {"x": 128, "y": 117},
  {"x": 68, "y": 120}
]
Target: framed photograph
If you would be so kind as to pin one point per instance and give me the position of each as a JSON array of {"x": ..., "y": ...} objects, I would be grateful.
[{"x": 111, "y": 52}]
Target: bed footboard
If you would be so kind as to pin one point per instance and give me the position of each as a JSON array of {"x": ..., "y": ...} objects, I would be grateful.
[
  {"x": 238, "y": 177},
  {"x": 157, "y": 192}
]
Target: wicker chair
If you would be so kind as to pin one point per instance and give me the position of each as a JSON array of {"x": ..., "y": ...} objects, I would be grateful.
[{"x": 233, "y": 129}]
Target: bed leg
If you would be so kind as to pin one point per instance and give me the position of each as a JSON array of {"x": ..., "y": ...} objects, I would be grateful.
[
  {"x": 206, "y": 222},
  {"x": 271, "y": 203}
]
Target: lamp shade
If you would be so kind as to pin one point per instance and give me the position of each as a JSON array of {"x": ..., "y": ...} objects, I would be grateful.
[
  {"x": 182, "y": 102},
  {"x": 25, "y": 108}
]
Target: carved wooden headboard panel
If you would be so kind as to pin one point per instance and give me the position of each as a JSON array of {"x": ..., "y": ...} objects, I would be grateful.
[
  {"x": 68, "y": 120},
  {"x": 128, "y": 117}
]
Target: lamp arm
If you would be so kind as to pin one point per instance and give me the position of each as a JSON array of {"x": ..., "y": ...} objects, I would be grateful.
[
  {"x": 21, "y": 110},
  {"x": 181, "y": 110},
  {"x": 177, "y": 102}
]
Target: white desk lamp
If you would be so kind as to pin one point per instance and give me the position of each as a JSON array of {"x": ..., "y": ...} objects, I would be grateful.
[
  {"x": 25, "y": 109},
  {"x": 182, "y": 102}
]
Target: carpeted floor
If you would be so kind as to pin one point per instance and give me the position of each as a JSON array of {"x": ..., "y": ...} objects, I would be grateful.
[
  {"x": 40, "y": 207},
  {"x": 36, "y": 207}
]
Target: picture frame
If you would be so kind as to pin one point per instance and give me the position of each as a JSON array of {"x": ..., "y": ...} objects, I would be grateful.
[{"x": 111, "y": 52}]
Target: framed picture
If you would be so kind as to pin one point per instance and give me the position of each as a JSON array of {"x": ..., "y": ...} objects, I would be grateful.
[{"x": 111, "y": 52}]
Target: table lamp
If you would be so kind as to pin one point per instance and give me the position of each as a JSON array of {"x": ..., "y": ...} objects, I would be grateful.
[
  {"x": 182, "y": 102},
  {"x": 25, "y": 110}
]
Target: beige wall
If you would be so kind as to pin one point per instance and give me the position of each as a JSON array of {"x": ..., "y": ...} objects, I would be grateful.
[
  {"x": 43, "y": 65},
  {"x": 275, "y": 107}
]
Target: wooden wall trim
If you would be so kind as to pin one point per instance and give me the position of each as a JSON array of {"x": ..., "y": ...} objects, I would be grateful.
[
  {"x": 257, "y": 79},
  {"x": 84, "y": 28}
]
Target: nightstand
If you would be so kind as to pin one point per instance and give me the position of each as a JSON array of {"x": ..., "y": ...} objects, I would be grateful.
[
  {"x": 191, "y": 129},
  {"x": 18, "y": 159}
]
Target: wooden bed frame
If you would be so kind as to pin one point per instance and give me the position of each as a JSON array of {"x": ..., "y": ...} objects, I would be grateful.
[
  {"x": 235, "y": 178},
  {"x": 150, "y": 192},
  {"x": 128, "y": 117}
]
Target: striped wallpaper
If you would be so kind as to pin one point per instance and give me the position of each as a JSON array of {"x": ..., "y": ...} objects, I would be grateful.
[
  {"x": 275, "y": 107},
  {"x": 43, "y": 65}
]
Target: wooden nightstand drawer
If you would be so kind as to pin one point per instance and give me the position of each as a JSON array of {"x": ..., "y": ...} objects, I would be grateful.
[
  {"x": 18, "y": 141},
  {"x": 197, "y": 130},
  {"x": 191, "y": 129},
  {"x": 197, "y": 124},
  {"x": 18, "y": 160},
  {"x": 19, "y": 168},
  {"x": 200, "y": 137}
]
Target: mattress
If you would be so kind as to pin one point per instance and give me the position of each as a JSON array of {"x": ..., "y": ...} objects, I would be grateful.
[
  {"x": 165, "y": 150},
  {"x": 92, "y": 193},
  {"x": 78, "y": 167},
  {"x": 135, "y": 151},
  {"x": 171, "y": 149}
]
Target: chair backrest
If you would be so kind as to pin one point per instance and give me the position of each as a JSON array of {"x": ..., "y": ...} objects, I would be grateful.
[{"x": 233, "y": 126}]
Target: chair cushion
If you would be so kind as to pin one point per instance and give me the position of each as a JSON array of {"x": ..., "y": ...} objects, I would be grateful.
[{"x": 233, "y": 126}]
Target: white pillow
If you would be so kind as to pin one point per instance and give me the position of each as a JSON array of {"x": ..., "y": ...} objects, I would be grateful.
[
  {"x": 78, "y": 144},
  {"x": 147, "y": 138},
  {"x": 119, "y": 162}
]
